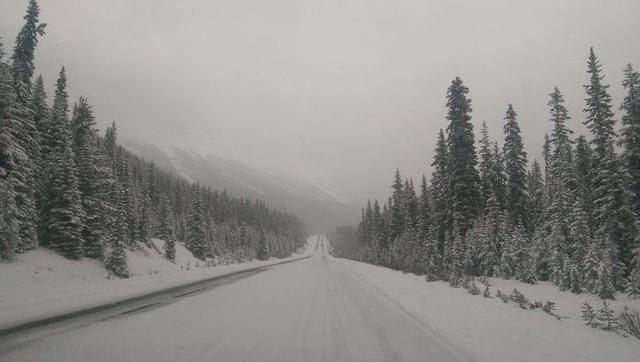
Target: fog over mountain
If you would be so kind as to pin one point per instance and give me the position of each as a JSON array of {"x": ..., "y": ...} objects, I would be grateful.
[
  {"x": 320, "y": 209},
  {"x": 336, "y": 93}
]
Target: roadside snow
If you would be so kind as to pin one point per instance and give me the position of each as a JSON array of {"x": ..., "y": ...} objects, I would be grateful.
[
  {"x": 41, "y": 283},
  {"x": 493, "y": 331}
]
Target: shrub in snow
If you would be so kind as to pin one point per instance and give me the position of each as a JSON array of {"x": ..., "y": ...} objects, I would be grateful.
[
  {"x": 486, "y": 293},
  {"x": 471, "y": 287},
  {"x": 549, "y": 307},
  {"x": 629, "y": 321},
  {"x": 537, "y": 304},
  {"x": 607, "y": 315},
  {"x": 519, "y": 298},
  {"x": 502, "y": 296},
  {"x": 588, "y": 313}
]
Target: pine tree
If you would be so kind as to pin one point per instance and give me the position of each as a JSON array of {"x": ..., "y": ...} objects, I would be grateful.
[
  {"x": 11, "y": 153},
  {"x": 62, "y": 214},
  {"x": 499, "y": 187},
  {"x": 396, "y": 208},
  {"x": 17, "y": 147},
  {"x": 580, "y": 239},
  {"x": 89, "y": 182},
  {"x": 493, "y": 237},
  {"x": 125, "y": 179},
  {"x": 485, "y": 167},
  {"x": 165, "y": 229},
  {"x": 110, "y": 142},
  {"x": 536, "y": 195},
  {"x": 633, "y": 288},
  {"x": 516, "y": 166},
  {"x": 9, "y": 236},
  {"x": 410, "y": 201},
  {"x": 27, "y": 135},
  {"x": 613, "y": 217},
  {"x": 118, "y": 236},
  {"x": 261, "y": 249},
  {"x": 464, "y": 181},
  {"x": 440, "y": 192},
  {"x": 584, "y": 176},
  {"x": 630, "y": 133},
  {"x": 197, "y": 234},
  {"x": 546, "y": 156},
  {"x": 605, "y": 284},
  {"x": 40, "y": 111},
  {"x": 424, "y": 212},
  {"x": 26, "y": 42}
]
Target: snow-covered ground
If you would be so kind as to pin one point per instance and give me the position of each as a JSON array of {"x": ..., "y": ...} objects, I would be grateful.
[
  {"x": 490, "y": 330},
  {"x": 329, "y": 309},
  {"x": 42, "y": 283}
]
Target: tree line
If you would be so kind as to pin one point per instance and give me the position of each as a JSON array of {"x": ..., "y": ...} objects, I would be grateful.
[
  {"x": 64, "y": 186},
  {"x": 486, "y": 212}
]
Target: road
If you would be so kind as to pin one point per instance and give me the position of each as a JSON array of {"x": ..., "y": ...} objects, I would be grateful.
[{"x": 313, "y": 309}]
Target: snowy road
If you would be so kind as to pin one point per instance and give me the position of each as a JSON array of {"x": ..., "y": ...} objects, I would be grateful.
[{"x": 310, "y": 310}]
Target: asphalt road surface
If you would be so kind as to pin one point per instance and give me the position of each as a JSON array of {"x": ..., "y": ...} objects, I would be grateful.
[{"x": 312, "y": 309}]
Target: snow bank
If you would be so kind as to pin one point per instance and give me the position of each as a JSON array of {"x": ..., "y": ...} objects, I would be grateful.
[
  {"x": 494, "y": 331},
  {"x": 42, "y": 283}
]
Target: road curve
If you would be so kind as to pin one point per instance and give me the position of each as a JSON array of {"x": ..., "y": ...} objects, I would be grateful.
[{"x": 311, "y": 310}]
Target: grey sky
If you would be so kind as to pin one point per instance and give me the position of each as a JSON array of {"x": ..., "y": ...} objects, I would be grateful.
[{"x": 336, "y": 92}]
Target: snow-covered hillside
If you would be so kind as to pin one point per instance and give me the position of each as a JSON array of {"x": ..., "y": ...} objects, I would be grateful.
[{"x": 42, "y": 283}]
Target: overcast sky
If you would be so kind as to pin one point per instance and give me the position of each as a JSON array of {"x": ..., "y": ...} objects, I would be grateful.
[{"x": 336, "y": 92}]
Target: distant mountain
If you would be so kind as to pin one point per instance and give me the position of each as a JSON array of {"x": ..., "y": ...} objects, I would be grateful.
[{"x": 320, "y": 209}]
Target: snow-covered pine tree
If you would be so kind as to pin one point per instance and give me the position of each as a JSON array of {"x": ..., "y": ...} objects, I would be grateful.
[
  {"x": 614, "y": 218},
  {"x": 165, "y": 228},
  {"x": 536, "y": 195},
  {"x": 508, "y": 259},
  {"x": 455, "y": 258},
  {"x": 630, "y": 133},
  {"x": 557, "y": 240},
  {"x": 196, "y": 240},
  {"x": 19, "y": 132},
  {"x": 262, "y": 252},
  {"x": 9, "y": 236},
  {"x": 62, "y": 218},
  {"x": 560, "y": 188},
  {"x": 633, "y": 287},
  {"x": 90, "y": 183},
  {"x": 581, "y": 241},
  {"x": 10, "y": 155},
  {"x": 605, "y": 286},
  {"x": 410, "y": 201},
  {"x": 584, "y": 176},
  {"x": 516, "y": 171},
  {"x": 396, "y": 208},
  {"x": 523, "y": 265},
  {"x": 464, "y": 181},
  {"x": 440, "y": 192},
  {"x": 499, "y": 187},
  {"x": 110, "y": 144},
  {"x": 493, "y": 237},
  {"x": 424, "y": 234},
  {"x": 546, "y": 157},
  {"x": 26, "y": 42},
  {"x": 485, "y": 166},
  {"x": 118, "y": 235},
  {"x": 125, "y": 179},
  {"x": 40, "y": 113}
]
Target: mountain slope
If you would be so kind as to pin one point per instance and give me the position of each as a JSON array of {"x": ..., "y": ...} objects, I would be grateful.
[{"x": 319, "y": 209}]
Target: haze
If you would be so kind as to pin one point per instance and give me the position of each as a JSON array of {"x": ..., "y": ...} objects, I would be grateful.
[{"x": 338, "y": 93}]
